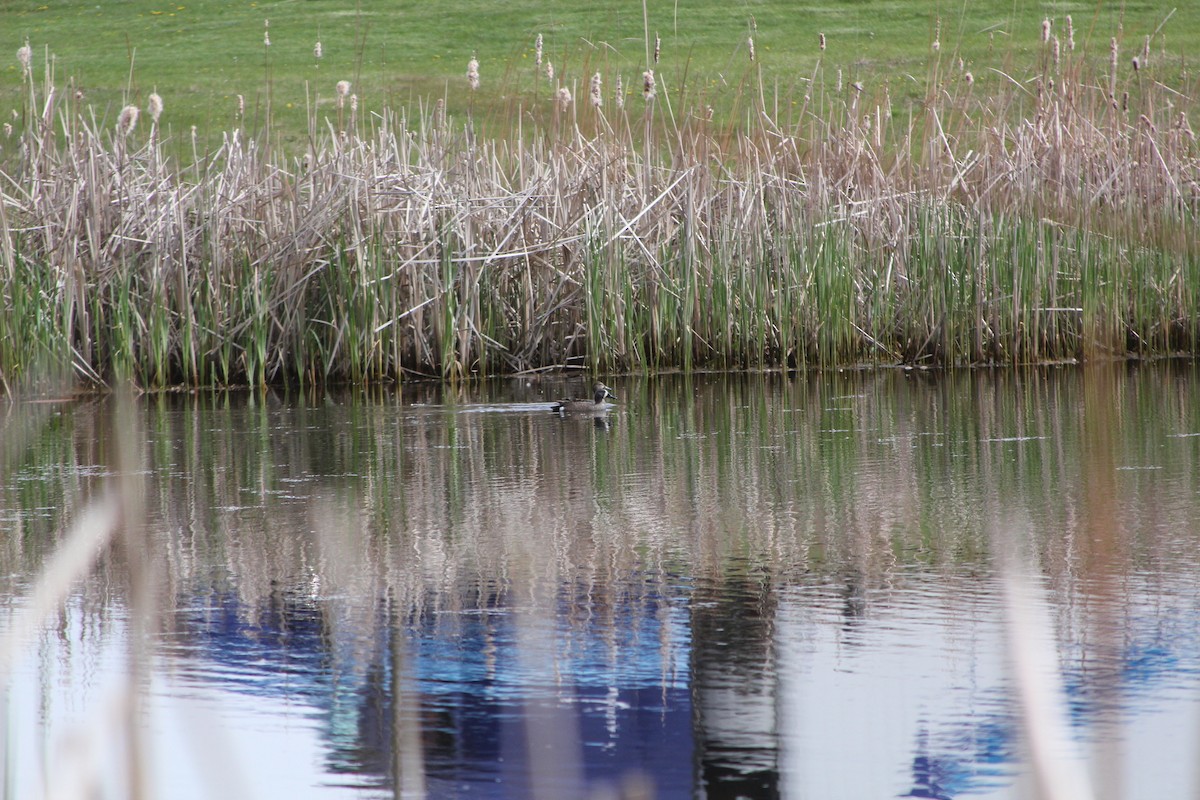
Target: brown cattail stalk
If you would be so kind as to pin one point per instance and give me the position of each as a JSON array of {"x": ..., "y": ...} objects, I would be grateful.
[
  {"x": 127, "y": 120},
  {"x": 25, "y": 59},
  {"x": 154, "y": 104},
  {"x": 597, "y": 88}
]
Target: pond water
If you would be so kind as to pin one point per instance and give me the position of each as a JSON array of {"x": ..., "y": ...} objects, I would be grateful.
[{"x": 808, "y": 586}]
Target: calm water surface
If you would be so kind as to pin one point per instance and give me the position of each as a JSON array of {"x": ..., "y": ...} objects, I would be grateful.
[{"x": 728, "y": 587}]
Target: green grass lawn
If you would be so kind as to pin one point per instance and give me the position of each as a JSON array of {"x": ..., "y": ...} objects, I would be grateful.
[{"x": 199, "y": 55}]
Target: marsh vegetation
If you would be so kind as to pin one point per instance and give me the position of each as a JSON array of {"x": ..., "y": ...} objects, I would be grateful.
[{"x": 999, "y": 212}]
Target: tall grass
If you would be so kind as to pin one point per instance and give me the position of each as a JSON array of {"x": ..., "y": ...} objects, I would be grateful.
[{"x": 1013, "y": 216}]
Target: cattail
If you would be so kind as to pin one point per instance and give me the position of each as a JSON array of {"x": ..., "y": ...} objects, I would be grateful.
[
  {"x": 1112, "y": 55},
  {"x": 8, "y": 129},
  {"x": 597, "y": 87},
  {"x": 241, "y": 106},
  {"x": 343, "y": 91},
  {"x": 564, "y": 98},
  {"x": 821, "y": 41},
  {"x": 750, "y": 44},
  {"x": 708, "y": 113},
  {"x": 25, "y": 59},
  {"x": 657, "y": 46},
  {"x": 1137, "y": 63},
  {"x": 473, "y": 73},
  {"x": 857, "y": 86},
  {"x": 353, "y": 104},
  {"x": 1046, "y": 31},
  {"x": 537, "y": 51},
  {"x": 1055, "y": 49},
  {"x": 317, "y": 51},
  {"x": 969, "y": 78},
  {"x": 266, "y": 33},
  {"x": 154, "y": 105},
  {"x": 1185, "y": 126},
  {"x": 937, "y": 35},
  {"x": 127, "y": 120},
  {"x": 648, "y": 91},
  {"x": 1146, "y": 52},
  {"x": 1070, "y": 34},
  {"x": 1124, "y": 101},
  {"x": 839, "y": 81},
  {"x": 549, "y": 71},
  {"x": 620, "y": 92}
]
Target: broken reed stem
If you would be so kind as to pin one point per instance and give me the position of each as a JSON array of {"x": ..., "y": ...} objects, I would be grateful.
[{"x": 992, "y": 224}]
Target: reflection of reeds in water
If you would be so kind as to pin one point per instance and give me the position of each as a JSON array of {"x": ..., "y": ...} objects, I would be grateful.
[
  {"x": 1047, "y": 215},
  {"x": 384, "y": 514}
]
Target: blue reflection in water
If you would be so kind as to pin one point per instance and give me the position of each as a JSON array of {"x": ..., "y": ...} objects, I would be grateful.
[
  {"x": 625, "y": 688},
  {"x": 680, "y": 688}
]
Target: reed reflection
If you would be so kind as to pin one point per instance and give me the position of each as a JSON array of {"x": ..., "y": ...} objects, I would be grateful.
[{"x": 692, "y": 593}]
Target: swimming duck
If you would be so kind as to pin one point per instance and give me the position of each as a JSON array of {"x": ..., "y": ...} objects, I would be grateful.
[{"x": 593, "y": 406}]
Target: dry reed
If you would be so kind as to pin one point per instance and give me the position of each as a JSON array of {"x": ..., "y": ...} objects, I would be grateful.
[{"x": 1005, "y": 219}]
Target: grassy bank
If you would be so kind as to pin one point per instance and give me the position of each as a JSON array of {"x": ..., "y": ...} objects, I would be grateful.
[
  {"x": 201, "y": 55},
  {"x": 1012, "y": 211}
]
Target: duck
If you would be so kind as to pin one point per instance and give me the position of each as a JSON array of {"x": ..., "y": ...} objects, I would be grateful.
[{"x": 594, "y": 406}]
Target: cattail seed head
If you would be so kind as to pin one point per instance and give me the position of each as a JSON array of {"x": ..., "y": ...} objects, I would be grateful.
[
  {"x": 241, "y": 106},
  {"x": 620, "y": 92},
  {"x": 549, "y": 71},
  {"x": 1070, "y": 33},
  {"x": 839, "y": 80},
  {"x": 937, "y": 35},
  {"x": 1112, "y": 54},
  {"x": 127, "y": 120},
  {"x": 969, "y": 78},
  {"x": 657, "y": 46},
  {"x": 154, "y": 105},
  {"x": 597, "y": 88},
  {"x": 266, "y": 38},
  {"x": 564, "y": 98},
  {"x": 473, "y": 73},
  {"x": 1146, "y": 51},
  {"x": 8, "y": 129},
  {"x": 1046, "y": 30},
  {"x": 317, "y": 51},
  {"x": 750, "y": 44},
  {"x": 343, "y": 88},
  {"x": 1055, "y": 50},
  {"x": 821, "y": 41},
  {"x": 537, "y": 51},
  {"x": 25, "y": 59},
  {"x": 1186, "y": 126},
  {"x": 648, "y": 88},
  {"x": 1137, "y": 63}
]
